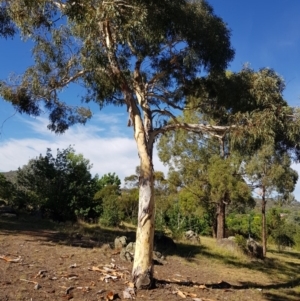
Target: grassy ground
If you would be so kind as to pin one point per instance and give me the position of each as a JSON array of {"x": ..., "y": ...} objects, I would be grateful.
[{"x": 227, "y": 275}]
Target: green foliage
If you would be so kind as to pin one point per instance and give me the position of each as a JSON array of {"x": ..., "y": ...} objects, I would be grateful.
[
  {"x": 109, "y": 197},
  {"x": 226, "y": 184},
  {"x": 129, "y": 204},
  {"x": 178, "y": 222},
  {"x": 109, "y": 179},
  {"x": 61, "y": 187},
  {"x": 7, "y": 28},
  {"x": 280, "y": 231},
  {"x": 7, "y": 189},
  {"x": 296, "y": 237},
  {"x": 142, "y": 34},
  {"x": 271, "y": 171},
  {"x": 241, "y": 241},
  {"x": 244, "y": 224},
  {"x": 108, "y": 200}
]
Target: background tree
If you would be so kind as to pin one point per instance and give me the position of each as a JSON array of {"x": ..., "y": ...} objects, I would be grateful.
[
  {"x": 108, "y": 198},
  {"x": 7, "y": 190},
  {"x": 109, "y": 179},
  {"x": 207, "y": 173},
  {"x": 226, "y": 186},
  {"x": 270, "y": 172},
  {"x": 250, "y": 107},
  {"x": 129, "y": 204},
  {"x": 62, "y": 186}
]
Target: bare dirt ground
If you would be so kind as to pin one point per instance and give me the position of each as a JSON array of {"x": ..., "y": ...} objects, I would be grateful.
[{"x": 40, "y": 263}]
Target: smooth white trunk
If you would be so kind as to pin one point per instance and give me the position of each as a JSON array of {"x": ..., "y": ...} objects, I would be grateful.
[{"x": 142, "y": 271}]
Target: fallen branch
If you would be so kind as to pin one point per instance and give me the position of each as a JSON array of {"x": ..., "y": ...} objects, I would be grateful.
[{"x": 8, "y": 259}]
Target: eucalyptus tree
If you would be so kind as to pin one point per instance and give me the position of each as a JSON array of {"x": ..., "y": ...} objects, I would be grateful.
[
  {"x": 211, "y": 180},
  {"x": 249, "y": 110},
  {"x": 135, "y": 54},
  {"x": 270, "y": 172},
  {"x": 61, "y": 186}
]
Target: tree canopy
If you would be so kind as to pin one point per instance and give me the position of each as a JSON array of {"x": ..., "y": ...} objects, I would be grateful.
[
  {"x": 62, "y": 187},
  {"x": 7, "y": 28}
]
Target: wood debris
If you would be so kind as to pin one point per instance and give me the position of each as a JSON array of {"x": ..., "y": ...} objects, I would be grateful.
[
  {"x": 202, "y": 299},
  {"x": 184, "y": 294},
  {"x": 110, "y": 272},
  {"x": 8, "y": 259},
  {"x": 110, "y": 296},
  {"x": 36, "y": 284},
  {"x": 201, "y": 286},
  {"x": 41, "y": 274}
]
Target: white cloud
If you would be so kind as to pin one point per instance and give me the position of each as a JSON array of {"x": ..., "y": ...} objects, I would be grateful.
[
  {"x": 297, "y": 188},
  {"x": 106, "y": 148}
]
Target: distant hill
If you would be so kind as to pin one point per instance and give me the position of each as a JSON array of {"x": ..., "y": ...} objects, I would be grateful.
[{"x": 11, "y": 175}]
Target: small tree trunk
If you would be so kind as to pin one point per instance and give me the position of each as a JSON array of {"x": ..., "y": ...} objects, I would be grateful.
[
  {"x": 221, "y": 220},
  {"x": 214, "y": 221},
  {"x": 264, "y": 223},
  {"x": 214, "y": 229}
]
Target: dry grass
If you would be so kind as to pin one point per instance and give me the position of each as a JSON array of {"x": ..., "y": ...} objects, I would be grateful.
[{"x": 275, "y": 278}]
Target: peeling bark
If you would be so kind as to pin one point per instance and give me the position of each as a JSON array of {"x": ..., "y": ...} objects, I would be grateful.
[
  {"x": 143, "y": 267},
  {"x": 142, "y": 271}
]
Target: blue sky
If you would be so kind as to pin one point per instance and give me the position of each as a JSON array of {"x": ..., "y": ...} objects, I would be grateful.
[{"x": 265, "y": 33}]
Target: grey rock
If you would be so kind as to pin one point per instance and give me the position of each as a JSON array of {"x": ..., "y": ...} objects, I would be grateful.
[
  {"x": 228, "y": 244},
  {"x": 120, "y": 242},
  {"x": 192, "y": 236},
  {"x": 255, "y": 249}
]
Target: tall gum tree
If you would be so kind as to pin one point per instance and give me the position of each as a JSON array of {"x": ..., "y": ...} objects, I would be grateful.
[
  {"x": 248, "y": 111},
  {"x": 211, "y": 176},
  {"x": 139, "y": 54}
]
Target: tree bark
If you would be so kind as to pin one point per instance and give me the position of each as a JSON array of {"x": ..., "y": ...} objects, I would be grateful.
[
  {"x": 221, "y": 220},
  {"x": 264, "y": 223},
  {"x": 142, "y": 271},
  {"x": 143, "y": 267}
]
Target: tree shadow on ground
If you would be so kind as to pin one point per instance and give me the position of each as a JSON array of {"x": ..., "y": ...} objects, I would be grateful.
[
  {"x": 270, "y": 292},
  {"x": 284, "y": 291},
  {"x": 89, "y": 236},
  {"x": 86, "y": 236},
  {"x": 269, "y": 266},
  {"x": 286, "y": 253},
  {"x": 187, "y": 250},
  {"x": 71, "y": 234},
  {"x": 289, "y": 295}
]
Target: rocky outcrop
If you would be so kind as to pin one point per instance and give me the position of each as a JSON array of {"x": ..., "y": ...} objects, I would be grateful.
[
  {"x": 162, "y": 244},
  {"x": 228, "y": 244},
  {"x": 192, "y": 236},
  {"x": 255, "y": 249}
]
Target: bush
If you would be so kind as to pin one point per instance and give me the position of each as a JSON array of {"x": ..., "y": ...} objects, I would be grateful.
[
  {"x": 241, "y": 241},
  {"x": 109, "y": 197}
]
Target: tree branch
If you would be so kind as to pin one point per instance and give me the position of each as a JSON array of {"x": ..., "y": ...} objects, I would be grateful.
[{"x": 214, "y": 130}]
